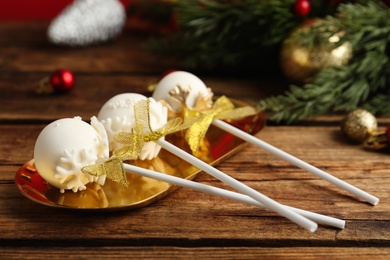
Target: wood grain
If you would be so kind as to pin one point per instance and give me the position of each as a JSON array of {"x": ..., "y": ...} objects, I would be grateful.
[
  {"x": 185, "y": 224},
  {"x": 154, "y": 252}
]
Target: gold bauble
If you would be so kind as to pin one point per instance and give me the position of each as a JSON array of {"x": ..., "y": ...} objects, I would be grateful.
[
  {"x": 299, "y": 63},
  {"x": 359, "y": 124}
]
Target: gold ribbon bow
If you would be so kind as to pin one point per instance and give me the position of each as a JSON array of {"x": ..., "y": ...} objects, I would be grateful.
[
  {"x": 196, "y": 122},
  {"x": 142, "y": 131},
  {"x": 113, "y": 168},
  {"x": 222, "y": 108}
]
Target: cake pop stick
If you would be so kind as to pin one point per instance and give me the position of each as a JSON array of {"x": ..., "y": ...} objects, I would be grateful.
[
  {"x": 321, "y": 219},
  {"x": 75, "y": 138},
  {"x": 127, "y": 106},
  {"x": 266, "y": 201},
  {"x": 194, "y": 89},
  {"x": 49, "y": 158},
  {"x": 295, "y": 161}
]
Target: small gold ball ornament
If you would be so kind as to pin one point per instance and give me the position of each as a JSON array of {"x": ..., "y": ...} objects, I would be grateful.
[
  {"x": 299, "y": 63},
  {"x": 359, "y": 125}
]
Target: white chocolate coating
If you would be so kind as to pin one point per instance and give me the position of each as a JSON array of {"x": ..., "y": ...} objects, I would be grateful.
[
  {"x": 65, "y": 146},
  {"x": 186, "y": 81},
  {"x": 117, "y": 115}
]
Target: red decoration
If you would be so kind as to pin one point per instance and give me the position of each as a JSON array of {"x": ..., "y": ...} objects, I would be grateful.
[
  {"x": 62, "y": 81},
  {"x": 35, "y": 10},
  {"x": 302, "y": 7}
]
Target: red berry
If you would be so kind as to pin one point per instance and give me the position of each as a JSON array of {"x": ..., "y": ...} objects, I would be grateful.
[
  {"x": 62, "y": 81},
  {"x": 302, "y": 7}
]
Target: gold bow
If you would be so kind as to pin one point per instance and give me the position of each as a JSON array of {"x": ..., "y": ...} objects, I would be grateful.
[
  {"x": 198, "y": 124},
  {"x": 135, "y": 140},
  {"x": 113, "y": 168},
  {"x": 222, "y": 108},
  {"x": 142, "y": 131}
]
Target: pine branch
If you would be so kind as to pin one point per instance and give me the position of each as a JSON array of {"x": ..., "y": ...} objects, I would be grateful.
[
  {"x": 248, "y": 33},
  {"x": 379, "y": 104},
  {"x": 347, "y": 87},
  {"x": 227, "y": 33}
]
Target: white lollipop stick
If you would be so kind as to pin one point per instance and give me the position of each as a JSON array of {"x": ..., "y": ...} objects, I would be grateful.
[
  {"x": 295, "y": 161},
  {"x": 321, "y": 219},
  {"x": 267, "y": 202}
]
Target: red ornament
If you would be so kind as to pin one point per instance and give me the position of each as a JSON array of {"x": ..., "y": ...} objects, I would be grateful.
[
  {"x": 302, "y": 7},
  {"x": 61, "y": 81}
]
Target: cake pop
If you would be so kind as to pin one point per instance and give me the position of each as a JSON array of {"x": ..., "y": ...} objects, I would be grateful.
[{"x": 65, "y": 146}]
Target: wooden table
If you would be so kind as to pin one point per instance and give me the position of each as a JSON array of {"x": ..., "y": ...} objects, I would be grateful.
[{"x": 185, "y": 224}]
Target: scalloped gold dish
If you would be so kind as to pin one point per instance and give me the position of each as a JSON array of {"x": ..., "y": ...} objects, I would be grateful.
[{"x": 142, "y": 191}]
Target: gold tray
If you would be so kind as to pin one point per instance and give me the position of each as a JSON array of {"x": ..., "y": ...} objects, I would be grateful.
[{"x": 217, "y": 146}]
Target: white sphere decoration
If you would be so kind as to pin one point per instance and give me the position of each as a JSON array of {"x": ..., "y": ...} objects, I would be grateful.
[
  {"x": 186, "y": 81},
  {"x": 117, "y": 115},
  {"x": 65, "y": 146}
]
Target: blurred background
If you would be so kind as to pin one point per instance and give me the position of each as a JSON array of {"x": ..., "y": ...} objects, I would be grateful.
[
  {"x": 34, "y": 9},
  {"x": 332, "y": 56}
]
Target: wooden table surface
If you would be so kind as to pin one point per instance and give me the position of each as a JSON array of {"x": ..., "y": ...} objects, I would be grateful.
[{"x": 186, "y": 223}]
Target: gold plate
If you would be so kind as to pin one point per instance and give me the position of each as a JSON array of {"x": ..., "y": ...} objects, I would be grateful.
[{"x": 217, "y": 146}]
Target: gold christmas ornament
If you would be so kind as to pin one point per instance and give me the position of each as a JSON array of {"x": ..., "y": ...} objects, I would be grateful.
[
  {"x": 359, "y": 125},
  {"x": 299, "y": 63}
]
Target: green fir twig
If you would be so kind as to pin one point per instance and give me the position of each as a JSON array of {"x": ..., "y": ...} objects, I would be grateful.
[
  {"x": 249, "y": 33},
  {"x": 227, "y": 33},
  {"x": 363, "y": 82}
]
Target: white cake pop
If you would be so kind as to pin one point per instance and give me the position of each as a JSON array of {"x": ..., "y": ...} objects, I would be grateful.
[
  {"x": 196, "y": 88},
  {"x": 184, "y": 81},
  {"x": 117, "y": 115},
  {"x": 65, "y": 146}
]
